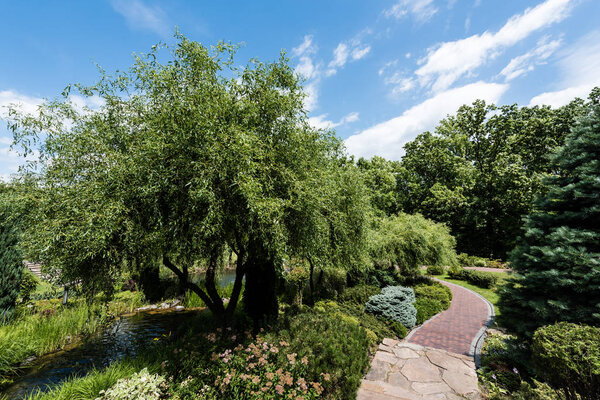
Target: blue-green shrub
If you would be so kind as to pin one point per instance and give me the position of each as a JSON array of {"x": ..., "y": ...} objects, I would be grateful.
[{"x": 394, "y": 303}]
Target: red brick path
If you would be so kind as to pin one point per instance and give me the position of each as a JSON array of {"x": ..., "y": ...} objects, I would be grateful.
[{"x": 454, "y": 329}]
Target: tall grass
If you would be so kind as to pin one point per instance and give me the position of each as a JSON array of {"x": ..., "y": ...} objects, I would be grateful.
[{"x": 35, "y": 334}]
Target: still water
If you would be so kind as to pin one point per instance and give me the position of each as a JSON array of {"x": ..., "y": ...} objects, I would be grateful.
[{"x": 124, "y": 337}]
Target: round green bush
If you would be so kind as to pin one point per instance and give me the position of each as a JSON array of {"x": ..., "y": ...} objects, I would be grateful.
[
  {"x": 359, "y": 294},
  {"x": 435, "y": 270},
  {"x": 568, "y": 356}
]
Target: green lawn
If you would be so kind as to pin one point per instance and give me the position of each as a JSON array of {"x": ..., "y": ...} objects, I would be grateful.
[{"x": 490, "y": 294}]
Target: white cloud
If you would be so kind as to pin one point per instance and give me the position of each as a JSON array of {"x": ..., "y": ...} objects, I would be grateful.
[
  {"x": 27, "y": 104},
  {"x": 580, "y": 68},
  {"x": 525, "y": 63},
  {"x": 306, "y": 68},
  {"x": 306, "y": 47},
  {"x": 345, "y": 52},
  {"x": 400, "y": 83},
  {"x": 312, "y": 95},
  {"x": 388, "y": 138},
  {"x": 357, "y": 53},
  {"x": 422, "y": 10},
  {"x": 140, "y": 16},
  {"x": 340, "y": 56},
  {"x": 447, "y": 62},
  {"x": 320, "y": 121}
]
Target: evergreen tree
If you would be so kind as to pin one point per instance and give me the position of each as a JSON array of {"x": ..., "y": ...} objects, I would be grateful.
[
  {"x": 558, "y": 259},
  {"x": 11, "y": 266}
]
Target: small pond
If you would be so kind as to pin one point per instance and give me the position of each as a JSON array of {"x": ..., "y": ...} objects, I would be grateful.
[{"x": 123, "y": 337}]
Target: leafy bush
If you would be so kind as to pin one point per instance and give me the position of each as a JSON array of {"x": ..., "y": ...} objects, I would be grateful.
[
  {"x": 434, "y": 291},
  {"x": 435, "y": 270},
  {"x": 496, "y": 264},
  {"x": 410, "y": 241},
  {"x": 384, "y": 277},
  {"x": 482, "y": 279},
  {"x": 568, "y": 356},
  {"x": 359, "y": 294},
  {"x": 142, "y": 386},
  {"x": 330, "y": 282},
  {"x": 377, "y": 328},
  {"x": 28, "y": 284},
  {"x": 394, "y": 303},
  {"x": 335, "y": 348},
  {"x": 430, "y": 300},
  {"x": 480, "y": 263}
]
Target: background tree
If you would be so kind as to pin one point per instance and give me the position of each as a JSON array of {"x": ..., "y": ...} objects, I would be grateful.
[
  {"x": 481, "y": 169},
  {"x": 409, "y": 241},
  {"x": 11, "y": 260},
  {"x": 558, "y": 258},
  {"x": 185, "y": 160}
]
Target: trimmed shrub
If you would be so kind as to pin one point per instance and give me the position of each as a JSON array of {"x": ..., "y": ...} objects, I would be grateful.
[
  {"x": 435, "y": 270},
  {"x": 436, "y": 291},
  {"x": 480, "y": 263},
  {"x": 430, "y": 300},
  {"x": 482, "y": 279},
  {"x": 568, "y": 356},
  {"x": 141, "y": 386},
  {"x": 394, "y": 303},
  {"x": 359, "y": 294}
]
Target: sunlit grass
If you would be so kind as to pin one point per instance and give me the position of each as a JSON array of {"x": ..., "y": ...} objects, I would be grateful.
[{"x": 490, "y": 294}]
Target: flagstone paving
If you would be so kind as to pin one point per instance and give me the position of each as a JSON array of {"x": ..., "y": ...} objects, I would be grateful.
[
  {"x": 408, "y": 371},
  {"x": 436, "y": 360}
]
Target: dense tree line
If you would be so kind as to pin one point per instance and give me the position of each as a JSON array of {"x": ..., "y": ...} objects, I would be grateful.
[{"x": 478, "y": 172}]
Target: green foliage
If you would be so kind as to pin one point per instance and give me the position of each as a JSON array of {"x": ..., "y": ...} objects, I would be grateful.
[
  {"x": 334, "y": 347},
  {"x": 409, "y": 241},
  {"x": 481, "y": 279},
  {"x": 142, "y": 385},
  {"x": 434, "y": 291},
  {"x": 34, "y": 335},
  {"x": 435, "y": 270},
  {"x": 481, "y": 168},
  {"x": 394, "y": 303},
  {"x": 430, "y": 300},
  {"x": 568, "y": 356},
  {"x": 383, "y": 277},
  {"x": 558, "y": 257},
  {"x": 359, "y": 295},
  {"x": 377, "y": 328},
  {"x": 11, "y": 264},
  {"x": 29, "y": 283},
  {"x": 330, "y": 283}
]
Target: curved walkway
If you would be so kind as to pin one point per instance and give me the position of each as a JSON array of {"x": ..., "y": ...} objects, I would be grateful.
[
  {"x": 460, "y": 327},
  {"x": 436, "y": 360}
]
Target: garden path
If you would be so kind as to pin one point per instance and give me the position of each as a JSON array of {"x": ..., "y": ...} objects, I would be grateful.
[{"x": 437, "y": 360}]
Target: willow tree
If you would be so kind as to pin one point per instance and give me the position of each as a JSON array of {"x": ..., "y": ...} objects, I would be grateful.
[{"x": 184, "y": 159}]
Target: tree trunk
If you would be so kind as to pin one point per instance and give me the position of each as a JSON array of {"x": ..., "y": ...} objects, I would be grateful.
[
  {"x": 237, "y": 285},
  {"x": 216, "y": 309},
  {"x": 311, "y": 282}
]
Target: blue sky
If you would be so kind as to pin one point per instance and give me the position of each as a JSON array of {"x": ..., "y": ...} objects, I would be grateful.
[{"x": 379, "y": 72}]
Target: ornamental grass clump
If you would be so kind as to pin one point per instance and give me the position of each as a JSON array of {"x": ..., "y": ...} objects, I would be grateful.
[{"x": 394, "y": 303}]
